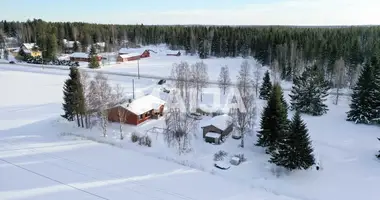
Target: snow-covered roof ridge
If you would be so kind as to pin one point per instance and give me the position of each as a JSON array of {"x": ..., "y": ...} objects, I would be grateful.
[
  {"x": 221, "y": 121},
  {"x": 28, "y": 46},
  {"x": 144, "y": 104},
  {"x": 129, "y": 55},
  {"x": 79, "y": 55}
]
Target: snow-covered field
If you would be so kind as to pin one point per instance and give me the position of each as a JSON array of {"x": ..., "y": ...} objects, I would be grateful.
[{"x": 44, "y": 157}]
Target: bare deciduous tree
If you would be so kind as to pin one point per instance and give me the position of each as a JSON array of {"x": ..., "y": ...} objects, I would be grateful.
[
  {"x": 85, "y": 81},
  {"x": 179, "y": 127},
  {"x": 101, "y": 99},
  {"x": 257, "y": 77},
  {"x": 244, "y": 79},
  {"x": 224, "y": 79},
  {"x": 243, "y": 115},
  {"x": 199, "y": 78},
  {"x": 275, "y": 72},
  {"x": 119, "y": 100},
  {"x": 339, "y": 77},
  {"x": 181, "y": 75}
]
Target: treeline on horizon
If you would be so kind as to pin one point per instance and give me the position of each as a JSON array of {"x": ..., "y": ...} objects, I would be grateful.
[{"x": 289, "y": 47}]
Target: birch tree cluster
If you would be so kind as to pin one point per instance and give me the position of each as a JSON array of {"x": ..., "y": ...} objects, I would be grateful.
[{"x": 88, "y": 100}]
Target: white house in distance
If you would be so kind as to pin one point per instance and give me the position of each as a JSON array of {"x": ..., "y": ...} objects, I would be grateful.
[{"x": 69, "y": 45}]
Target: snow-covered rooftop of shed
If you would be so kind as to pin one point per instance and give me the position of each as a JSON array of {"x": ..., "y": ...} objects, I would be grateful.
[
  {"x": 221, "y": 121},
  {"x": 29, "y": 46},
  {"x": 129, "y": 55},
  {"x": 235, "y": 158},
  {"x": 212, "y": 135},
  {"x": 79, "y": 55},
  {"x": 144, "y": 104}
]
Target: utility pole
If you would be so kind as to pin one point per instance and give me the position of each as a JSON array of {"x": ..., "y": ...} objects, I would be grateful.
[
  {"x": 133, "y": 89},
  {"x": 138, "y": 68}
]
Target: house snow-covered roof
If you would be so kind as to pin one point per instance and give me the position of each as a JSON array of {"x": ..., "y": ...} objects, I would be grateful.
[
  {"x": 129, "y": 51},
  {"x": 212, "y": 135},
  {"x": 129, "y": 55},
  {"x": 28, "y": 46},
  {"x": 70, "y": 44},
  {"x": 172, "y": 52},
  {"x": 79, "y": 55},
  {"x": 144, "y": 104},
  {"x": 221, "y": 121}
]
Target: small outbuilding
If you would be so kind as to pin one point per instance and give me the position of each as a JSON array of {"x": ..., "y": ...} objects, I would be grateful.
[
  {"x": 173, "y": 53},
  {"x": 216, "y": 128}
]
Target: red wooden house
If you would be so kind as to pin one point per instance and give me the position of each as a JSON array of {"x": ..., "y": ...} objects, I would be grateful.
[
  {"x": 82, "y": 57},
  {"x": 138, "y": 111},
  {"x": 128, "y": 57}
]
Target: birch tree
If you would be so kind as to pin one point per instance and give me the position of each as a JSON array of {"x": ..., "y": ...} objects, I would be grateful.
[
  {"x": 243, "y": 115},
  {"x": 275, "y": 72},
  {"x": 181, "y": 75},
  {"x": 85, "y": 81},
  {"x": 101, "y": 99},
  {"x": 256, "y": 78},
  {"x": 199, "y": 78},
  {"x": 244, "y": 79},
  {"x": 339, "y": 78},
  {"x": 224, "y": 79},
  {"x": 119, "y": 100},
  {"x": 179, "y": 127}
]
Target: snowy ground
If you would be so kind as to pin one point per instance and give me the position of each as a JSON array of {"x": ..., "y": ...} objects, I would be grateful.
[
  {"x": 33, "y": 137},
  {"x": 37, "y": 162}
]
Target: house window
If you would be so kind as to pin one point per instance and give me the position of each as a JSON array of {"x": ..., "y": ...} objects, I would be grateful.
[{"x": 141, "y": 116}]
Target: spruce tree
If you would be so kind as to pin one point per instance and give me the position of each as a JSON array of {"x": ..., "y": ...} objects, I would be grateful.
[
  {"x": 69, "y": 96},
  {"x": 294, "y": 148},
  {"x": 309, "y": 92},
  {"x": 73, "y": 97},
  {"x": 274, "y": 122},
  {"x": 266, "y": 87},
  {"x": 361, "y": 103},
  {"x": 375, "y": 92},
  {"x": 94, "y": 63}
]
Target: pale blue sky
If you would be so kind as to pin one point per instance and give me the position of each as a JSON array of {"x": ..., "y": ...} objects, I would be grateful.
[{"x": 238, "y": 12}]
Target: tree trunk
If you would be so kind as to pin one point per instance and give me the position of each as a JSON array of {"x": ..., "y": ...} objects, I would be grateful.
[
  {"x": 78, "y": 120},
  {"x": 81, "y": 120}
]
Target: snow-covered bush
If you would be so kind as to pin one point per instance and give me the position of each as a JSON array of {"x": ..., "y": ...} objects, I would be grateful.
[
  {"x": 241, "y": 157},
  {"x": 135, "y": 137},
  {"x": 220, "y": 155},
  {"x": 145, "y": 141}
]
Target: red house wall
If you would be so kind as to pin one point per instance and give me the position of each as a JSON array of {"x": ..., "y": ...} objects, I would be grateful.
[{"x": 145, "y": 54}]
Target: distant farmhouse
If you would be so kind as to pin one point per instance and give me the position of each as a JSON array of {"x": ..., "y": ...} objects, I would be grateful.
[{"x": 30, "y": 49}]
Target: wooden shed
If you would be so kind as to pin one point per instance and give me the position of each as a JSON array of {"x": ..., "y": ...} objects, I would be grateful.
[
  {"x": 173, "y": 53},
  {"x": 138, "y": 111},
  {"x": 217, "y": 126}
]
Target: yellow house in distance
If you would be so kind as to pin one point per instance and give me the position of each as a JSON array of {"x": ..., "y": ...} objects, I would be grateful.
[{"x": 31, "y": 49}]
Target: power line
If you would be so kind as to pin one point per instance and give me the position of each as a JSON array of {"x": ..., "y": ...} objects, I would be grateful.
[{"x": 57, "y": 181}]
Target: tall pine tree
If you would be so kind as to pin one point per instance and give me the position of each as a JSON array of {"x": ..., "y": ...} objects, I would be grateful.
[
  {"x": 266, "y": 87},
  {"x": 294, "y": 148},
  {"x": 94, "y": 63},
  {"x": 274, "y": 122},
  {"x": 73, "y": 97},
  {"x": 309, "y": 92},
  {"x": 375, "y": 92},
  {"x": 361, "y": 107},
  {"x": 69, "y": 88}
]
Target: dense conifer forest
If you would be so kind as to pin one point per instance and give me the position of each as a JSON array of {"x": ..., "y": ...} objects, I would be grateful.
[{"x": 287, "y": 48}]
